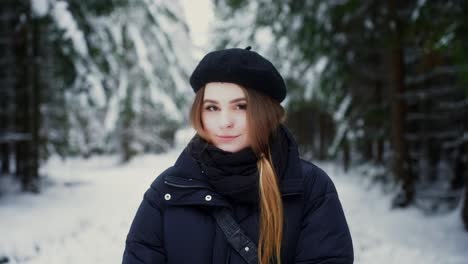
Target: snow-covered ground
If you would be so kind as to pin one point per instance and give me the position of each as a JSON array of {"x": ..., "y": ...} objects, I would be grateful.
[{"x": 85, "y": 209}]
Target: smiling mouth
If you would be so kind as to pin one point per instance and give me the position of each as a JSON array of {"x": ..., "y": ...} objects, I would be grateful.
[{"x": 227, "y": 137}]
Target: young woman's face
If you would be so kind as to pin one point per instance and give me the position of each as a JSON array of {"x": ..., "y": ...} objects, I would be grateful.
[{"x": 224, "y": 116}]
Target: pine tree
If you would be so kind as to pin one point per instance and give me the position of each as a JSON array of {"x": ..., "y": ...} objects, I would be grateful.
[
  {"x": 393, "y": 88},
  {"x": 121, "y": 74}
]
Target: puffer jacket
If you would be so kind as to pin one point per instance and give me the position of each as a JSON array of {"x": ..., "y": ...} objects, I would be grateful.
[{"x": 174, "y": 225}]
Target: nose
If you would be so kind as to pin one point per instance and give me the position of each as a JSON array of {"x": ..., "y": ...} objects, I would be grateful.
[{"x": 226, "y": 120}]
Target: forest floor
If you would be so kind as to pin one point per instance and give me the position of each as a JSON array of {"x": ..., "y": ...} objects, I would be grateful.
[{"x": 85, "y": 208}]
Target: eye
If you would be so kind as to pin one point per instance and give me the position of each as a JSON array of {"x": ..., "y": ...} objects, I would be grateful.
[
  {"x": 211, "y": 108},
  {"x": 241, "y": 106}
]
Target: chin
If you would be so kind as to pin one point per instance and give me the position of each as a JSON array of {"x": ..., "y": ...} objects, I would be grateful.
[{"x": 231, "y": 147}]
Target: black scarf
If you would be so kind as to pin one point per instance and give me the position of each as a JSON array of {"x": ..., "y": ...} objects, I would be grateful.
[{"x": 235, "y": 175}]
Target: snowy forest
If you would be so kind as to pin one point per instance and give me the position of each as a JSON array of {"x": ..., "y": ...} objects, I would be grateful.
[{"x": 377, "y": 92}]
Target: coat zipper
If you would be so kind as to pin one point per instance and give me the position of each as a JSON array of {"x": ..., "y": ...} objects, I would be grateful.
[
  {"x": 205, "y": 187},
  {"x": 185, "y": 186}
]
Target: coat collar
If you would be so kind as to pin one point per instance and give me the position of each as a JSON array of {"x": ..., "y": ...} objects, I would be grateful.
[{"x": 190, "y": 183}]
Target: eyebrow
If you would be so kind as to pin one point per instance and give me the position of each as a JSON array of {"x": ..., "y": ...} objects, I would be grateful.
[{"x": 231, "y": 102}]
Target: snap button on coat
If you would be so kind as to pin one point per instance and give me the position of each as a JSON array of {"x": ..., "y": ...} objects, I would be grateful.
[
  {"x": 208, "y": 198},
  {"x": 167, "y": 197}
]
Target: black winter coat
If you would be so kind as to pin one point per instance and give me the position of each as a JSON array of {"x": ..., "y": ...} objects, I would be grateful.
[{"x": 173, "y": 223}]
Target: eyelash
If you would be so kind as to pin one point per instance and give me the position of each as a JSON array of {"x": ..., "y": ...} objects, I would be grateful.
[
  {"x": 215, "y": 108},
  {"x": 242, "y": 106}
]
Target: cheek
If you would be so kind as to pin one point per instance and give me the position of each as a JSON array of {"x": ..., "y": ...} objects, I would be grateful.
[
  {"x": 242, "y": 121},
  {"x": 207, "y": 121}
]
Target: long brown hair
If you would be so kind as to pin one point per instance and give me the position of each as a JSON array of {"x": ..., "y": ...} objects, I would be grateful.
[{"x": 263, "y": 117}]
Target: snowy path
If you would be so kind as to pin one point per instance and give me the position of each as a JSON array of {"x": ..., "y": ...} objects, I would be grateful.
[
  {"x": 398, "y": 236},
  {"x": 85, "y": 213}
]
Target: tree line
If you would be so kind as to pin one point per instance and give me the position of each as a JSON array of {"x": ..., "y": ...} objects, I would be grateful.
[
  {"x": 89, "y": 77},
  {"x": 380, "y": 83},
  {"x": 383, "y": 83}
]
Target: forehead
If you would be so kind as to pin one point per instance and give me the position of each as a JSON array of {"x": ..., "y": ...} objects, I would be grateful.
[{"x": 221, "y": 91}]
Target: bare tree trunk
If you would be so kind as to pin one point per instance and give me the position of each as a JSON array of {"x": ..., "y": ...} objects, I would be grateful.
[
  {"x": 400, "y": 164},
  {"x": 26, "y": 158},
  {"x": 34, "y": 109},
  {"x": 465, "y": 202},
  {"x": 380, "y": 150},
  {"x": 379, "y": 141},
  {"x": 346, "y": 154},
  {"x": 6, "y": 83},
  {"x": 303, "y": 123},
  {"x": 368, "y": 153},
  {"x": 322, "y": 134},
  {"x": 22, "y": 74},
  {"x": 464, "y": 162},
  {"x": 5, "y": 163}
]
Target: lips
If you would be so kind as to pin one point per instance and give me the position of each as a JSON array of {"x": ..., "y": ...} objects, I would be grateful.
[{"x": 225, "y": 138}]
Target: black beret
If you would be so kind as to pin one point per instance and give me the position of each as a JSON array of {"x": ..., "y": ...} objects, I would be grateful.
[{"x": 240, "y": 66}]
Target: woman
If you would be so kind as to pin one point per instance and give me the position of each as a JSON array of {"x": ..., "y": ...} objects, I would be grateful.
[{"x": 239, "y": 193}]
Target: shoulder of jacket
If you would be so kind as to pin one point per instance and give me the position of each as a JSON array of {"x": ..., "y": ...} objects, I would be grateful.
[
  {"x": 317, "y": 183},
  {"x": 158, "y": 182},
  {"x": 158, "y": 189}
]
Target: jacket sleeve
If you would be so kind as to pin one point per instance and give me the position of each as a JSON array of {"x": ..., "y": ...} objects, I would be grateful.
[
  {"x": 325, "y": 236},
  {"x": 144, "y": 243}
]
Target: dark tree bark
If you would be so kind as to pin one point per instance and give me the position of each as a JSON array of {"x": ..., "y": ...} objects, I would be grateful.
[
  {"x": 465, "y": 202},
  {"x": 346, "y": 154},
  {"x": 6, "y": 82},
  {"x": 322, "y": 139},
  {"x": 464, "y": 164},
  {"x": 26, "y": 87},
  {"x": 326, "y": 133},
  {"x": 400, "y": 165},
  {"x": 34, "y": 102},
  {"x": 4, "y": 159},
  {"x": 379, "y": 141},
  {"x": 304, "y": 124},
  {"x": 368, "y": 153}
]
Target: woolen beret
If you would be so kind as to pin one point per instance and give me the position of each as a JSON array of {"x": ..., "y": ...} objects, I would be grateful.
[{"x": 244, "y": 67}]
